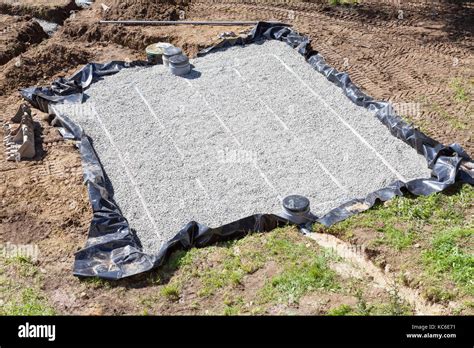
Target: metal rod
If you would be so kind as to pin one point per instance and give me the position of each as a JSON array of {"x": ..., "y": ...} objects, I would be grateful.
[{"x": 140, "y": 22}]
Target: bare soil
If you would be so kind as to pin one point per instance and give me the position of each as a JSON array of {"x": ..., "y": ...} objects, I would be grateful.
[
  {"x": 18, "y": 35},
  {"x": 154, "y": 10},
  {"x": 420, "y": 57},
  {"x": 51, "y": 10}
]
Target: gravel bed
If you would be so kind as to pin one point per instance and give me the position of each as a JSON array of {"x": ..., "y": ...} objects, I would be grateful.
[{"x": 246, "y": 128}]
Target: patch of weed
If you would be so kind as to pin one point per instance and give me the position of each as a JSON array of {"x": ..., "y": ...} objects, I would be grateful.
[
  {"x": 340, "y": 310},
  {"x": 24, "y": 265},
  {"x": 299, "y": 278},
  {"x": 409, "y": 214},
  {"x": 397, "y": 238},
  {"x": 395, "y": 306},
  {"x": 98, "y": 283},
  {"x": 30, "y": 302},
  {"x": 170, "y": 291},
  {"x": 459, "y": 90},
  {"x": 447, "y": 258},
  {"x": 437, "y": 294}
]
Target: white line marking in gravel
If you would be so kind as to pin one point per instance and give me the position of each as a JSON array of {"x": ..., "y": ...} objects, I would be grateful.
[
  {"x": 333, "y": 178},
  {"x": 262, "y": 174},
  {"x": 203, "y": 188},
  {"x": 285, "y": 127},
  {"x": 215, "y": 113},
  {"x": 149, "y": 107},
  {"x": 127, "y": 171},
  {"x": 361, "y": 138},
  {"x": 159, "y": 121}
]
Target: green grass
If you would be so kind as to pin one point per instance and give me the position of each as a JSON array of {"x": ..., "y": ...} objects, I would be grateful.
[
  {"x": 401, "y": 218},
  {"x": 220, "y": 269},
  {"x": 447, "y": 258},
  {"x": 18, "y": 298},
  {"x": 170, "y": 292},
  {"x": 460, "y": 94},
  {"x": 30, "y": 302},
  {"x": 299, "y": 278},
  {"x": 233, "y": 305},
  {"x": 229, "y": 273},
  {"x": 436, "y": 293},
  {"x": 98, "y": 283},
  {"x": 341, "y": 310},
  {"x": 395, "y": 306},
  {"x": 397, "y": 238},
  {"x": 441, "y": 223},
  {"x": 24, "y": 266}
]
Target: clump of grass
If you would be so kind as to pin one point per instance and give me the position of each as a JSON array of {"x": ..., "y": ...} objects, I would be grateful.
[
  {"x": 341, "y": 310},
  {"x": 396, "y": 305},
  {"x": 362, "y": 307},
  {"x": 31, "y": 302},
  {"x": 178, "y": 259},
  {"x": 447, "y": 258},
  {"x": 98, "y": 283},
  {"x": 438, "y": 294},
  {"x": 304, "y": 272},
  {"x": 397, "y": 238},
  {"x": 299, "y": 279},
  {"x": 459, "y": 90},
  {"x": 230, "y": 273},
  {"x": 233, "y": 306},
  {"x": 23, "y": 264},
  {"x": 235, "y": 260},
  {"x": 170, "y": 292}
]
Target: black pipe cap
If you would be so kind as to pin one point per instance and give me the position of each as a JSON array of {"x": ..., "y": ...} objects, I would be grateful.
[{"x": 296, "y": 203}]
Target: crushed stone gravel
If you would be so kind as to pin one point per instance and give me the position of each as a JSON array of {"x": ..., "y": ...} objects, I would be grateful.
[{"x": 247, "y": 127}]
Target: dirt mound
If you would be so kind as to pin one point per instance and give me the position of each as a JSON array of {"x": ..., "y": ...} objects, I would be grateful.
[
  {"x": 191, "y": 40},
  {"x": 39, "y": 64},
  {"x": 18, "y": 34},
  {"x": 55, "y": 11},
  {"x": 139, "y": 9}
]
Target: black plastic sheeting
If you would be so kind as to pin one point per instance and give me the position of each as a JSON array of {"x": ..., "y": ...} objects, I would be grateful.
[{"x": 113, "y": 251}]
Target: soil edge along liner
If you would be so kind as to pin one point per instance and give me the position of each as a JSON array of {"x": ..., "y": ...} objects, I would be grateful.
[{"x": 113, "y": 251}]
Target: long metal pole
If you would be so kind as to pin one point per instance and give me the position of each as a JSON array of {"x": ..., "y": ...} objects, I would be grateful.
[{"x": 226, "y": 23}]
